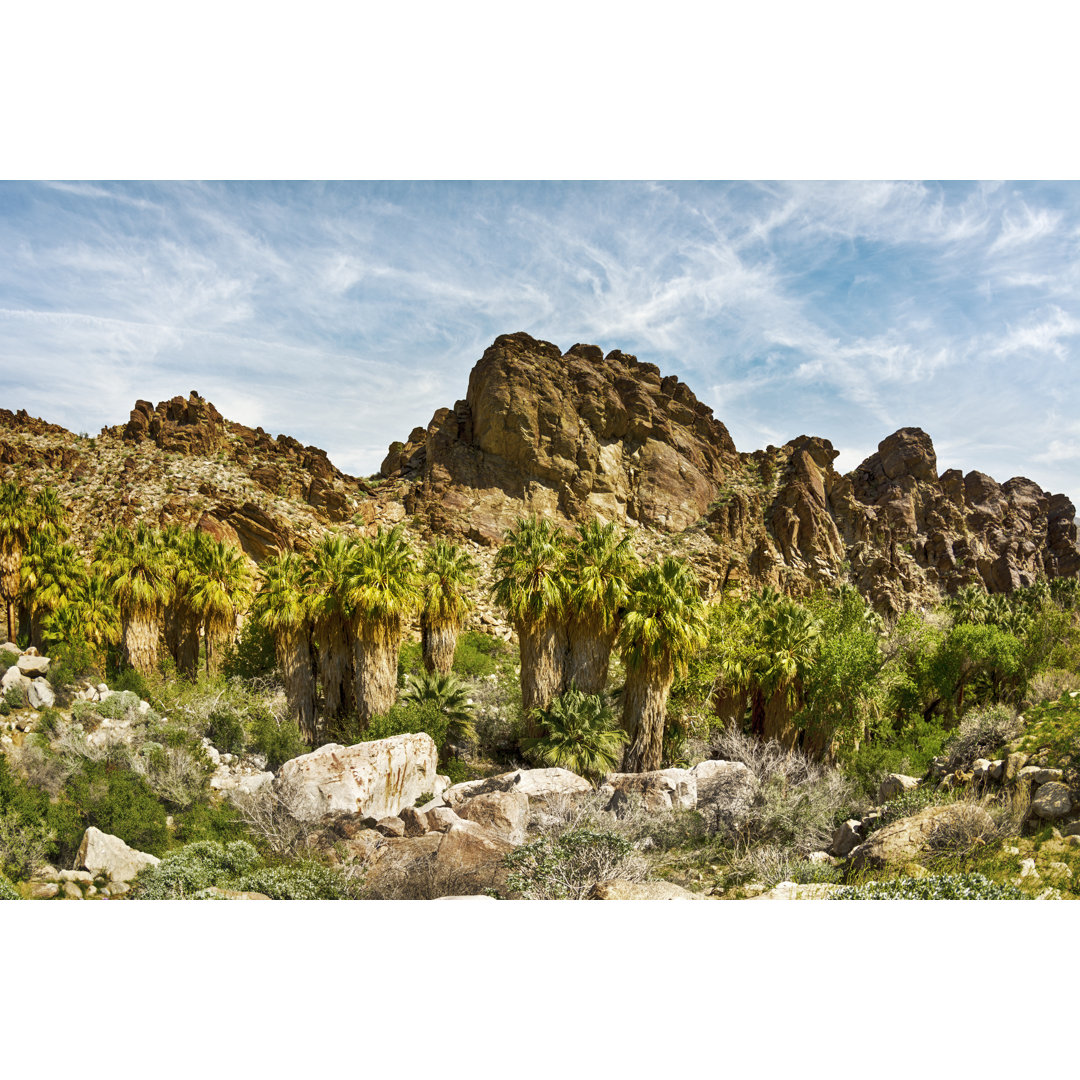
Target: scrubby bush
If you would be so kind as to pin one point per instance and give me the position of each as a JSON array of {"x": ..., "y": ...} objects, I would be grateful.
[
  {"x": 117, "y": 801},
  {"x": 565, "y": 866},
  {"x": 5, "y": 708},
  {"x": 226, "y": 729},
  {"x": 7, "y": 890},
  {"x": 770, "y": 864},
  {"x": 1055, "y": 727},
  {"x": 7, "y": 660},
  {"x": 409, "y": 717},
  {"x": 251, "y": 655},
  {"x": 297, "y": 881},
  {"x": 50, "y": 723},
  {"x": 277, "y": 739},
  {"x": 1050, "y": 685},
  {"x": 24, "y": 845},
  {"x": 908, "y": 750},
  {"x": 15, "y": 697},
  {"x": 205, "y": 821},
  {"x": 70, "y": 662},
  {"x": 983, "y": 732},
  {"x": 118, "y": 706},
  {"x": 930, "y": 887},
  {"x": 183, "y": 873},
  {"x": 479, "y": 655}
]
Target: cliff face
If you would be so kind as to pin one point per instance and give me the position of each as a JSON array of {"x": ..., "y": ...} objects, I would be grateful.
[
  {"x": 580, "y": 434},
  {"x": 570, "y": 435}
]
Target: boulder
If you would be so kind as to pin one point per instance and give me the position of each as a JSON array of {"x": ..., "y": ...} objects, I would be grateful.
[
  {"x": 41, "y": 695},
  {"x": 720, "y": 781},
  {"x": 1036, "y": 775},
  {"x": 441, "y": 818},
  {"x": 414, "y": 821},
  {"x": 505, "y": 812},
  {"x": 846, "y": 838},
  {"x": 14, "y": 677},
  {"x": 539, "y": 784},
  {"x": 390, "y": 826},
  {"x": 905, "y": 840},
  {"x": 895, "y": 784},
  {"x": 103, "y": 854},
  {"x": 641, "y": 890},
  {"x": 664, "y": 789},
  {"x": 475, "y": 855},
  {"x": 11, "y": 647},
  {"x": 1052, "y": 800},
  {"x": 33, "y": 667},
  {"x": 373, "y": 779}
]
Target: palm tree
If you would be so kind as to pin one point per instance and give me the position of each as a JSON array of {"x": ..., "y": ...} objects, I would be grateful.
[
  {"x": 90, "y": 616},
  {"x": 664, "y": 623},
  {"x": 220, "y": 591},
  {"x": 49, "y": 515},
  {"x": 138, "y": 569},
  {"x": 383, "y": 591},
  {"x": 450, "y": 697},
  {"x": 326, "y": 578},
  {"x": 18, "y": 517},
  {"x": 448, "y": 572},
  {"x": 52, "y": 573},
  {"x": 599, "y": 568},
  {"x": 181, "y": 619},
  {"x": 787, "y": 643},
  {"x": 579, "y": 734},
  {"x": 532, "y": 590},
  {"x": 969, "y": 604},
  {"x": 282, "y": 608}
]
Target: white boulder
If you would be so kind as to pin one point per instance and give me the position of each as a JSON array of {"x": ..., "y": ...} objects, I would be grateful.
[
  {"x": 41, "y": 695},
  {"x": 101, "y": 853}
]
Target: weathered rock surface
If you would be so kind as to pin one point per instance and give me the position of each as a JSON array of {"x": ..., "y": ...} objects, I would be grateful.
[
  {"x": 664, "y": 789},
  {"x": 641, "y": 890},
  {"x": 40, "y": 695},
  {"x": 905, "y": 840},
  {"x": 539, "y": 784},
  {"x": 504, "y": 812},
  {"x": 101, "y": 853},
  {"x": 375, "y": 779},
  {"x": 1052, "y": 800},
  {"x": 895, "y": 784},
  {"x": 33, "y": 667}
]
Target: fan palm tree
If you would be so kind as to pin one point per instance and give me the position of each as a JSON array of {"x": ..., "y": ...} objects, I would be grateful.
[
  {"x": 663, "y": 625},
  {"x": 326, "y": 583},
  {"x": 531, "y": 588},
  {"x": 969, "y": 605},
  {"x": 180, "y": 618},
  {"x": 220, "y": 591},
  {"x": 52, "y": 573},
  {"x": 383, "y": 592},
  {"x": 49, "y": 515},
  {"x": 138, "y": 570},
  {"x": 579, "y": 734},
  {"x": 18, "y": 518},
  {"x": 282, "y": 607},
  {"x": 90, "y": 616},
  {"x": 448, "y": 572},
  {"x": 787, "y": 644},
  {"x": 450, "y": 697},
  {"x": 599, "y": 568}
]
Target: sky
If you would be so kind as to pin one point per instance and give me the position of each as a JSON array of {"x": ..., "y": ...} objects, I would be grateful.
[{"x": 345, "y": 314}]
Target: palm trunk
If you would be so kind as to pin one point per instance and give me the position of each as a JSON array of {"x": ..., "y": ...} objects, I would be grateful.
[
  {"x": 644, "y": 713},
  {"x": 10, "y": 585},
  {"x": 375, "y": 664},
  {"x": 589, "y": 655},
  {"x": 438, "y": 642},
  {"x": 294, "y": 658},
  {"x": 188, "y": 646},
  {"x": 818, "y": 741},
  {"x": 778, "y": 712},
  {"x": 335, "y": 666},
  {"x": 36, "y": 633},
  {"x": 141, "y": 641},
  {"x": 543, "y": 665},
  {"x": 757, "y": 713},
  {"x": 730, "y": 706}
]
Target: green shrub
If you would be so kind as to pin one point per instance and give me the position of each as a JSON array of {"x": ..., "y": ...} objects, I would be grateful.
[
  {"x": 15, "y": 697},
  {"x": 565, "y": 867},
  {"x": 908, "y": 803},
  {"x": 5, "y": 708},
  {"x": 183, "y": 873},
  {"x": 251, "y": 655},
  {"x": 296, "y": 881},
  {"x": 479, "y": 655},
  {"x": 7, "y": 659},
  {"x": 1055, "y": 726},
  {"x": 133, "y": 681},
  {"x": 70, "y": 662},
  {"x": 7, "y": 890},
  {"x": 117, "y": 801},
  {"x": 931, "y": 887},
  {"x": 410, "y": 660},
  {"x": 983, "y": 732},
  {"x": 409, "y": 717},
  {"x": 50, "y": 723},
  {"x": 116, "y": 706},
  {"x": 24, "y": 844},
  {"x": 226, "y": 730},
  {"x": 204, "y": 821},
  {"x": 908, "y": 751},
  {"x": 579, "y": 734},
  {"x": 277, "y": 740}
]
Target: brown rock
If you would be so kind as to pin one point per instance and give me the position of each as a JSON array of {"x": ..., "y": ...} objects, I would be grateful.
[{"x": 505, "y": 812}]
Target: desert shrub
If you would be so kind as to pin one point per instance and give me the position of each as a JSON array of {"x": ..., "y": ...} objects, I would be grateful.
[
  {"x": 930, "y": 887},
  {"x": 424, "y": 879},
  {"x": 7, "y": 890},
  {"x": 1055, "y": 727},
  {"x": 24, "y": 845},
  {"x": 70, "y": 662},
  {"x": 770, "y": 864},
  {"x": 273, "y": 817},
  {"x": 410, "y": 660},
  {"x": 983, "y": 731},
  {"x": 297, "y": 881},
  {"x": 277, "y": 739},
  {"x": 86, "y": 714},
  {"x": 117, "y": 706},
  {"x": 45, "y": 771},
  {"x": 479, "y": 655},
  {"x": 15, "y": 697},
  {"x": 50, "y": 723},
  {"x": 5, "y": 708},
  {"x": 251, "y": 655},
  {"x": 565, "y": 866},
  {"x": 7, "y": 660},
  {"x": 174, "y": 773},
  {"x": 1050, "y": 685},
  {"x": 183, "y": 873},
  {"x": 226, "y": 729},
  {"x": 133, "y": 682},
  {"x": 908, "y": 751},
  {"x": 961, "y": 833},
  {"x": 908, "y": 803}
]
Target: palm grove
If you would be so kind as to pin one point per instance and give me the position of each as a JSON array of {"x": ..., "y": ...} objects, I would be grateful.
[{"x": 824, "y": 674}]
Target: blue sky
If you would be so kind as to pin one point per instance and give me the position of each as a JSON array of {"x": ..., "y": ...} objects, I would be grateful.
[{"x": 345, "y": 314}]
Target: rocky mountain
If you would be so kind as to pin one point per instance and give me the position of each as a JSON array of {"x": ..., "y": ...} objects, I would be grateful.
[{"x": 572, "y": 435}]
